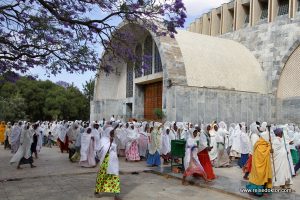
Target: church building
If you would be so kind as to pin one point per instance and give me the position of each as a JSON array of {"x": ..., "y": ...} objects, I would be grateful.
[{"x": 239, "y": 62}]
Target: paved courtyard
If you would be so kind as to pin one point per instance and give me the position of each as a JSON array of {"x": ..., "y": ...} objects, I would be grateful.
[{"x": 57, "y": 178}]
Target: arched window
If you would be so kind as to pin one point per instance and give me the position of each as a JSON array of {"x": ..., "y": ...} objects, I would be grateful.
[
  {"x": 148, "y": 54},
  {"x": 138, "y": 62},
  {"x": 129, "y": 82},
  {"x": 157, "y": 61}
]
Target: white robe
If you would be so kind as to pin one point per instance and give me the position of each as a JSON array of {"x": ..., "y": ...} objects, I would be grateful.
[
  {"x": 282, "y": 168},
  {"x": 25, "y": 145},
  {"x": 113, "y": 163},
  {"x": 191, "y": 142},
  {"x": 61, "y": 132},
  {"x": 254, "y": 138},
  {"x": 214, "y": 151},
  {"x": 203, "y": 141},
  {"x": 236, "y": 140},
  {"x": 143, "y": 142},
  {"x": 95, "y": 133},
  {"x": 86, "y": 140},
  {"x": 131, "y": 137},
  {"x": 166, "y": 144},
  {"x": 245, "y": 143}
]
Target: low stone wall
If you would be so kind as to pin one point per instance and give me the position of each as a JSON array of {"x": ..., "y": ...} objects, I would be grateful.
[
  {"x": 205, "y": 105},
  {"x": 105, "y": 108}
]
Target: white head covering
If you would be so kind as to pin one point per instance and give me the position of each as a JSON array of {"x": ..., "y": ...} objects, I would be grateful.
[
  {"x": 106, "y": 132},
  {"x": 263, "y": 126},
  {"x": 265, "y": 136},
  {"x": 253, "y": 128},
  {"x": 223, "y": 125}
]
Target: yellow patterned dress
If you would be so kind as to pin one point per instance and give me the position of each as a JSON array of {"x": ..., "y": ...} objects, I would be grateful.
[{"x": 108, "y": 183}]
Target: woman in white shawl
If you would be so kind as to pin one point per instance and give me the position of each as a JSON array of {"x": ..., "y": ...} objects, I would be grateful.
[
  {"x": 192, "y": 164},
  {"x": 23, "y": 155},
  {"x": 108, "y": 180},
  {"x": 120, "y": 139},
  {"x": 87, "y": 150},
  {"x": 166, "y": 146},
  {"x": 214, "y": 152},
  {"x": 132, "y": 150},
  {"x": 15, "y": 137},
  {"x": 245, "y": 147},
  {"x": 235, "y": 151},
  {"x": 222, "y": 157},
  {"x": 143, "y": 140}
]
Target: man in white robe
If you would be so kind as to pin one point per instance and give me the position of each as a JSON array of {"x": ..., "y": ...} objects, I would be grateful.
[{"x": 281, "y": 163}]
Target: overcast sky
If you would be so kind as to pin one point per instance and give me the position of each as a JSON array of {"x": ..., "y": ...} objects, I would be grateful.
[{"x": 195, "y": 8}]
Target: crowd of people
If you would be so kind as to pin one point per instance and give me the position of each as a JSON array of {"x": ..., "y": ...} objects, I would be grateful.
[{"x": 267, "y": 154}]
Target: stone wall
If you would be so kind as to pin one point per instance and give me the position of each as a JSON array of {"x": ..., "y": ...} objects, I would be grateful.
[
  {"x": 205, "y": 105},
  {"x": 272, "y": 44},
  {"x": 105, "y": 108}
]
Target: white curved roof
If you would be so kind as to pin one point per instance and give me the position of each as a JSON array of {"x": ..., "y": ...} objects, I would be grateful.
[{"x": 219, "y": 63}]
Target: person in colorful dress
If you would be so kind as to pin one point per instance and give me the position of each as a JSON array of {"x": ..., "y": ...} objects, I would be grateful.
[
  {"x": 203, "y": 156},
  {"x": 154, "y": 146},
  {"x": 2, "y": 131},
  {"x": 261, "y": 171},
  {"x": 191, "y": 162},
  {"x": 132, "y": 149},
  {"x": 108, "y": 180}
]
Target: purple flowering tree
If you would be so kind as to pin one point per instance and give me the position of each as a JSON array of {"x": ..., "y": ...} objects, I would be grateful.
[{"x": 62, "y": 34}]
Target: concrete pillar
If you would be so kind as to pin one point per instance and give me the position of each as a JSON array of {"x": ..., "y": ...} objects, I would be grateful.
[
  {"x": 193, "y": 27},
  {"x": 257, "y": 8},
  {"x": 206, "y": 24},
  {"x": 199, "y": 25},
  {"x": 228, "y": 18},
  {"x": 242, "y": 11},
  {"x": 273, "y": 10},
  {"x": 215, "y": 21},
  {"x": 292, "y": 8},
  {"x": 234, "y": 15}
]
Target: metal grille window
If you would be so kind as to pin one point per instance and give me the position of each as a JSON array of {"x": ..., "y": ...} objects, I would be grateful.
[
  {"x": 129, "y": 83},
  {"x": 283, "y": 7},
  {"x": 148, "y": 54},
  {"x": 138, "y": 62},
  {"x": 157, "y": 61},
  {"x": 264, "y": 12}
]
